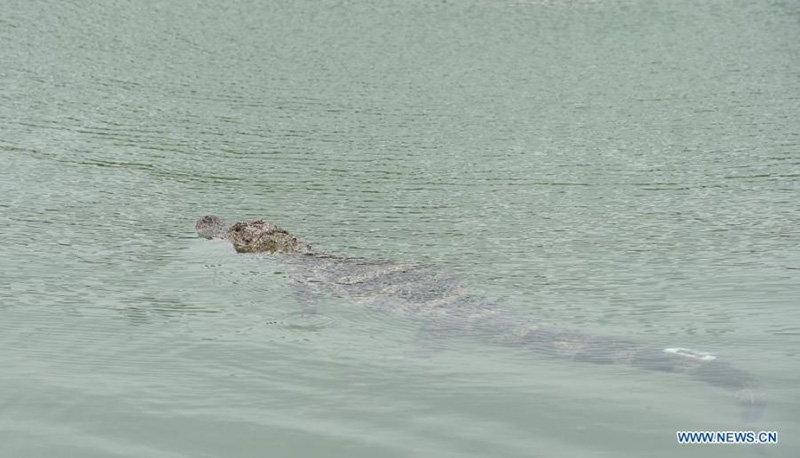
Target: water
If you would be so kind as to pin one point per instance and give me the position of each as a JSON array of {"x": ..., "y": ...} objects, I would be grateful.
[{"x": 618, "y": 167}]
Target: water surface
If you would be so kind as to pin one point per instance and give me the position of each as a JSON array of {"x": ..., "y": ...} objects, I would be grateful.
[{"x": 619, "y": 167}]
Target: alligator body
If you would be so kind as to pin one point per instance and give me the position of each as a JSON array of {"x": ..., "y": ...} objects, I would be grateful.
[{"x": 438, "y": 302}]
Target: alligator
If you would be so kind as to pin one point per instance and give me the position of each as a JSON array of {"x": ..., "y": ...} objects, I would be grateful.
[{"x": 440, "y": 304}]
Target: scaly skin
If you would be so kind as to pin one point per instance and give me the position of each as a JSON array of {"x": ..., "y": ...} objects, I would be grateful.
[
  {"x": 426, "y": 294},
  {"x": 256, "y": 236}
]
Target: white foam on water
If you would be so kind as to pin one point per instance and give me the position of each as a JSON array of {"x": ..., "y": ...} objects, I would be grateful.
[{"x": 701, "y": 355}]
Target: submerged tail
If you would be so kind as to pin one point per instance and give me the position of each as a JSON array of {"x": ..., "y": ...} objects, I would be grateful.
[
  {"x": 578, "y": 346},
  {"x": 707, "y": 368}
]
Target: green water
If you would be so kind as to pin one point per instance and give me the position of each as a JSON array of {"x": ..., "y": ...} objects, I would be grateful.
[{"x": 618, "y": 167}]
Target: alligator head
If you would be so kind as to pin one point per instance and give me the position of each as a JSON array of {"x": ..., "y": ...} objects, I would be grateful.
[
  {"x": 257, "y": 236},
  {"x": 212, "y": 227}
]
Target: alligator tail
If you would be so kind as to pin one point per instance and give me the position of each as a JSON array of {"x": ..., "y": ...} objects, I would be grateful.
[
  {"x": 707, "y": 368},
  {"x": 700, "y": 366}
]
